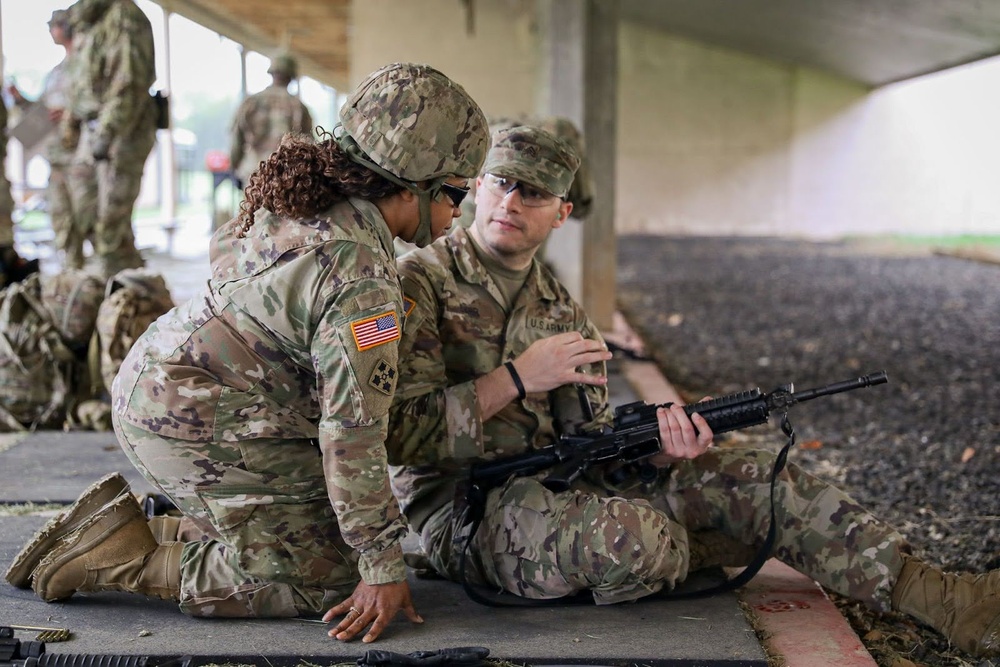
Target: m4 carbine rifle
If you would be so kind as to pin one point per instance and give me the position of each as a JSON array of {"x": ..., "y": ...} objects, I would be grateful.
[
  {"x": 17, "y": 653},
  {"x": 635, "y": 435}
]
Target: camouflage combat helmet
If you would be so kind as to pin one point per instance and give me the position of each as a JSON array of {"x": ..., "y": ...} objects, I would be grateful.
[
  {"x": 284, "y": 63},
  {"x": 60, "y": 17},
  {"x": 412, "y": 124}
]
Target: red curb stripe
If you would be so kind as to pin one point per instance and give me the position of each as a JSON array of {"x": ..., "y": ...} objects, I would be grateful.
[{"x": 803, "y": 624}]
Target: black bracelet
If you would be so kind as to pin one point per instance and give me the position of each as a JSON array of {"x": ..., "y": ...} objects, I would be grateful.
[{"x": 516, "y": 378}]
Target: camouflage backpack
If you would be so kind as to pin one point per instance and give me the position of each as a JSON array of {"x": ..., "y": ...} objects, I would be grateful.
[
  {"x": 133, "y": 300},
  {"x": 45, "y": 324}
]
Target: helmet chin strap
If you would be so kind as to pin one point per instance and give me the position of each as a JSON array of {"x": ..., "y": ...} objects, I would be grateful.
[{"x": 424, "y": 234}]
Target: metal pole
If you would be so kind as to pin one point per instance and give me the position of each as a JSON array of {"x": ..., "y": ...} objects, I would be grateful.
[
  {"x": 169, "y": 163},
  {"x": 243, "y": 74}
]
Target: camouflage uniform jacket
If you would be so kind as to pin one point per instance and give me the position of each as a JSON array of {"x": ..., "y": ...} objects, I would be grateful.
[
  {"x": 55, "y": 91},
  {"x": 114, "y": 69},
  {"x": 3, "y": 130},
  {"x": 456, "y": 331},
  {"x": 6, "y": 200},
  {"x": 283, "y": 345},
  {"x": 260, "y": 123}
]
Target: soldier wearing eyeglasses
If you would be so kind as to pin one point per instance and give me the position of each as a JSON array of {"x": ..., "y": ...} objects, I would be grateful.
[{"x": 483, "y": 374}]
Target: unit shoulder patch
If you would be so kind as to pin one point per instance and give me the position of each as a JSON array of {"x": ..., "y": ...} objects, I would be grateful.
[{"x": 383, "y": 378}]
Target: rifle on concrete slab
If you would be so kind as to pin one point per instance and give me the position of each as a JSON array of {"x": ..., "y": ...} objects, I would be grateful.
[{"x": 17, "y": 653}]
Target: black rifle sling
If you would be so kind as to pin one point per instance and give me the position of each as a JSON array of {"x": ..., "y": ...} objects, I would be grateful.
[{"x": 500, "y": 599}]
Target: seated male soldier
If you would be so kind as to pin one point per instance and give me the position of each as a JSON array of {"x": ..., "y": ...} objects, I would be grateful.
[{"x": 492, "y": 350}]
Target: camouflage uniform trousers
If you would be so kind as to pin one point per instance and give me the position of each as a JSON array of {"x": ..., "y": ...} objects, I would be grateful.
[
  {"x": 69, "y": 236},
  {"x": 540, "y": 544},
  {"x": 104, "y": 194},
  {"x": 271, "y": 545}
]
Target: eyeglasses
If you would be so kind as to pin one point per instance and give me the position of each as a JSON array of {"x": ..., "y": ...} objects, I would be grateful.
[
  {"x": 530, "y": 195},
  {"x": 453, "y": 192}
]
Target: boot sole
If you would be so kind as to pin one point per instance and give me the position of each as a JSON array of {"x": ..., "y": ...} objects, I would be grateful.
[{"x": 96, "y": 496}]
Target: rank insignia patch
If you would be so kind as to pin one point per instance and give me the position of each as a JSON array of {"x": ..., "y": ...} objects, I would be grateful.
[
  {"x": 383, "y": 377},
  {"x": 374, "y": 331}
]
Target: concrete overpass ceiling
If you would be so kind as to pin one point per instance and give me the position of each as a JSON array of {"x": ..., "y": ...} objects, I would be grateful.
[
  {"x": 316, "y": 31},
  {"x": 874, "y": 42}
]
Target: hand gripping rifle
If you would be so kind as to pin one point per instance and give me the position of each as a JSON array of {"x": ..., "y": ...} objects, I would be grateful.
[{"x": 635, "y": 436}]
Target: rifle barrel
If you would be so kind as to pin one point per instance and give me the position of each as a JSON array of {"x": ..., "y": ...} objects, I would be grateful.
[{"x": 869, "y": 380}]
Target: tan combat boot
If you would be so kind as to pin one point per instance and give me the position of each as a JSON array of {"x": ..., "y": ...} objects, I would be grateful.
[
  {"x": 164, "y": 528},
  {"x": 965, "y": 608},
  {"x": 710, "y": 548},
  {"x": 177, "y": 529},
  {"x": 93, "y": 498},
  {"x": 114, "y": 550}
]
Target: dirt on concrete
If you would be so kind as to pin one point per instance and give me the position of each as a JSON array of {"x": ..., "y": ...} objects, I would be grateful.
[{"x": 720, "y": 315}]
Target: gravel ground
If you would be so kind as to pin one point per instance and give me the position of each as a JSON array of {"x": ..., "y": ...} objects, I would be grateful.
[{"x": 922, "y": 452}]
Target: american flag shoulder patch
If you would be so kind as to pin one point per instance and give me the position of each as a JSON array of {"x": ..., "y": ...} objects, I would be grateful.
[
  {"x": 408, "y": 306},
  {"x": 374, "y": 331}
]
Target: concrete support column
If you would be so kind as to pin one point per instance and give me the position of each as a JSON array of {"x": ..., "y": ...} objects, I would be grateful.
[{"x": 582, "y": 84}]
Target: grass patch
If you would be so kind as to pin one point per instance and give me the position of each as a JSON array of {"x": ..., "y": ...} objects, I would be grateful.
[{"x": 920, "y": 241}]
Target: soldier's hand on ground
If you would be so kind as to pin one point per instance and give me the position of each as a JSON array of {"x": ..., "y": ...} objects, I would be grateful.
[
  {"x": 371, "y": 605},
  {"x": 554, "y": 361},
  {"x": 681, "y": 437}
]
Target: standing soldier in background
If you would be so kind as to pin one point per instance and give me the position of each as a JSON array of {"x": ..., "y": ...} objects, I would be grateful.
[
  {"x": 263, "y": 118},
  {"x": 68, "y": 236},
  {"x": 13, "y": 267},
  {"x": 112, "y": 124}
]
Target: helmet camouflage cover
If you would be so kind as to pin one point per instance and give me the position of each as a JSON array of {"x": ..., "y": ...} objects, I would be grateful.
[
  {"x": 284, "y": 63},
  {"x": 416, "y": 123},
  {"x": 60, "y": 17}
]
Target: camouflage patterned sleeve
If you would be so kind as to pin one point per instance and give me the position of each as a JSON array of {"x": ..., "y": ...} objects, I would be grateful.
[
  {"x": 237, "y": 137},
  {"x": 355, "y": 355},
  {"x": 131, "y": 65},
  {"x": 430, "y": 418},
  {"x": 6, "y": 200}
]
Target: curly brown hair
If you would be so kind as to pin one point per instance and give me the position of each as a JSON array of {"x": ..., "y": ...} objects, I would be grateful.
[{"x": 303, "y": 177}]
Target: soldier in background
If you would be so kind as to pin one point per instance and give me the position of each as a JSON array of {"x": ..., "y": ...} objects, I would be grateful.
[
  {"x": 263, "y": 118},
  {"x": 68, "y": 236},
  {"x": 112, "y": 124},
  {"x": 13, "y": 267}
]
